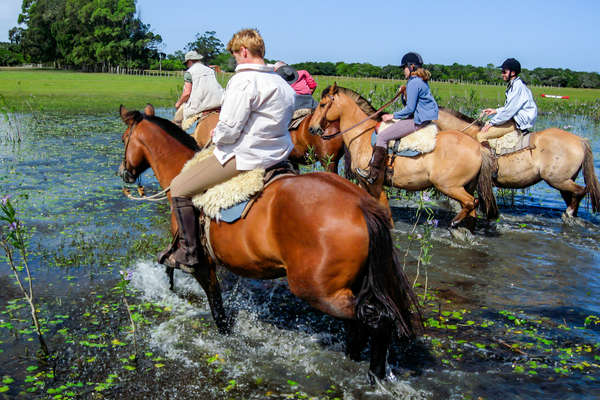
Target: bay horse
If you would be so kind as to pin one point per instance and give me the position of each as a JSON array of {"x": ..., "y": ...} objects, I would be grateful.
[
  {"x": 331, "y": 239},
  {"x": 452, "y": 167},
  {"x": 555, "y": 156},
  {"x": 308, "y": 148}
]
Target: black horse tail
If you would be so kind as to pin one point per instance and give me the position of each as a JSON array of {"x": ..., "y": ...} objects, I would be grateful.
[
  {"x": 485, "y": 185},
  {"x": 589, "y": 176},
  {"x": 386, "y": 294}
]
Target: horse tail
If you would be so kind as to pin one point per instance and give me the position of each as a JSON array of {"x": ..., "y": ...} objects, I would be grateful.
[
  {"x": 589, "y": 176},
  {"x": 348, "y": 173},
  {"x": 386, "y": 294},
  {"x": 485, "y": 185}
]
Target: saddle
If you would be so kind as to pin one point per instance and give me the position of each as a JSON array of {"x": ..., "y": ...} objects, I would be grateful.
[
  {"x": 232, "y": 200},
  {"x": 509, "y": 143},
  {"x": 188, "y": 122},
  {"x": 299, "y": 116},
  {"x": 420, "y": 141}
]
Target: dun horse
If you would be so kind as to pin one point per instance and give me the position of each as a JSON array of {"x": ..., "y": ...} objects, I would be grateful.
[
  {"x": 555, "y": 156},
  {"x": 329, "y": 237},
  {"x": 308, "y": 148},
  {"x": 451, "y": 167}
]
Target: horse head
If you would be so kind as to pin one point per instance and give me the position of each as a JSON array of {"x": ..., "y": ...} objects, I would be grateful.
[
  {"x": 326, "y": 111},
  {"x": 134, "y": 160}
]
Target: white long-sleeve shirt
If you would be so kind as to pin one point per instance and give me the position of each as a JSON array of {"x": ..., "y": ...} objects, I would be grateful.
[
  {"x": 253, "y": 124},
  {"x": 519, "y": 105}
]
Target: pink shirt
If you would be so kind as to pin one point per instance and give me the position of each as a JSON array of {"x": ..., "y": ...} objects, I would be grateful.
[{"x": 305, "y": 83}]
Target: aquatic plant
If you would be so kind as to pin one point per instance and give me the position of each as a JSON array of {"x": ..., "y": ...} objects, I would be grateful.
[{"x": 13, "y": 242}]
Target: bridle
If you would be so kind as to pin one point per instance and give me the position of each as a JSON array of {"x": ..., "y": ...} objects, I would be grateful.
[
  {"x": 376, "y": 113},
  {"x": 162, "y": 195}
]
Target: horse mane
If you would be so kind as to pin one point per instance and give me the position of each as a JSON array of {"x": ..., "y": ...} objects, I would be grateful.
[
  {"x": 362, "y": 103},
  {"x": 461, "y": 116},
  {"x": 169, "y": 127}
]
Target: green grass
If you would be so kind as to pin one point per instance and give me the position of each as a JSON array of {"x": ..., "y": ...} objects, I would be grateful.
[{"x": 48, "y": 90}]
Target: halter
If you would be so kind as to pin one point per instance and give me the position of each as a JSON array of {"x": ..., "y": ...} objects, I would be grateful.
[
  {"x": 155, "y": 197},
  {"x": 329, "y": 137}
]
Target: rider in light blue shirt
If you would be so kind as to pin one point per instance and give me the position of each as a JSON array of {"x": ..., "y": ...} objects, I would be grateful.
[{"x": 519, "y": 104}]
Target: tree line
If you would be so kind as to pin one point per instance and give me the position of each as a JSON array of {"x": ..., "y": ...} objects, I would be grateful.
[{"x": 96, "y": 35}]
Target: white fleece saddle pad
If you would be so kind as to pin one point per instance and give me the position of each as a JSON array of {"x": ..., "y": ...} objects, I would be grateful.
[{"x": 421, "y": 140}]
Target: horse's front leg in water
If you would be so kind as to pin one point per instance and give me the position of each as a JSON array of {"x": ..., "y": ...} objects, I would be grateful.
[
  {"x": 170, "y": 272},
  {"x": 206, "y": 275}
]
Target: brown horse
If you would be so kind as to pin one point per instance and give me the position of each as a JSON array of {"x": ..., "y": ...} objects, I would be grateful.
[
  {"x": 555, "y": 156},
  {"x": 308, "y": 148},
  {"x": 451, "y": 167},
  {"x": 329, "y": 237}
]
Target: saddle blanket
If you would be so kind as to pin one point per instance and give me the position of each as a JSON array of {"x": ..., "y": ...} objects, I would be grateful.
[
  {"x": 298, "y": 117},
  {"x": 420, "y": 141},
  {"x": 223, "y": 202},
  {"x": 510, "y": 142}
]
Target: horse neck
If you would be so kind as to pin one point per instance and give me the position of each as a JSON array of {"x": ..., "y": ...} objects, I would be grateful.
[
  {"x": 165, "y": 154},
  {"x": 357, "y": 140},
  {"x": 448, "y": 121}
]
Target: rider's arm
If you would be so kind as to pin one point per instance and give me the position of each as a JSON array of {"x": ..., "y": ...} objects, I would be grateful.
[
  {"x": 515, "y": 100},
  {"x": 235, "y": 111},
  {"x": 310, "y": 81},
  {"x": 185, "y": 95},
  {"x": 412, "y": 94}
]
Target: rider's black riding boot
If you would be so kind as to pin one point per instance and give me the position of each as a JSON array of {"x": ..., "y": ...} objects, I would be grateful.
[
  {"x": 185, "y": 257},
  {"x": 376, "y": 165}
]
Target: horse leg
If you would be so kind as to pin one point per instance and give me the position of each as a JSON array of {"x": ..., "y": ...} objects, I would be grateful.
[
  {"x": 170, "y": 272},
  {"x": 206, "y": 276},
  {"x": 381, "y": 336},
  {"x": 466, "y": 201},
  {"x": 572, "y": 194},
  {"x": 356, "y": 338}
]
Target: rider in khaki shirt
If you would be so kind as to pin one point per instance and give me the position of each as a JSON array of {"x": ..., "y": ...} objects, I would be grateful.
[{"x": 251, "y": 133}]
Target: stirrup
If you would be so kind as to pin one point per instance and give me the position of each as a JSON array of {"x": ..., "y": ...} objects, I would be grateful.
[
  {"x": 172, "y": 263},
  {"x": 365, "y": 174}
]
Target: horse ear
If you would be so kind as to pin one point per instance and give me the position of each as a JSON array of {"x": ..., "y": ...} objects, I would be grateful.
[
  {"x": 149, "y": 110},
  {"x": 334, "y": 88},
  {"x": 123, "y": 112}
]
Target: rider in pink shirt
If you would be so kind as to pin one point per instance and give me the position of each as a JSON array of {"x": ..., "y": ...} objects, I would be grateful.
[{"x": 305, "y": 83}]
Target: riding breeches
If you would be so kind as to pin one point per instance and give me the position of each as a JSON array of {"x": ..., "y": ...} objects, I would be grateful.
[
  {"x": 201, "y": 176},
  {"x": 396, "y": 131}
]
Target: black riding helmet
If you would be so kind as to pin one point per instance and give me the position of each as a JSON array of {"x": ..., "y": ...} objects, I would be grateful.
[
  {"x": 411, "y": 58},
  {"x": 512, "y": 65}
]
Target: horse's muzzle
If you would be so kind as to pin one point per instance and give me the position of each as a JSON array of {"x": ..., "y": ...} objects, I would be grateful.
[
  {"x": 317, "y": 131},
  {"x": 127, "y": 176}
]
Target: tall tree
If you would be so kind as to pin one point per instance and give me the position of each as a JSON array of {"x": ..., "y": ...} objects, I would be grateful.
[{"x": 208, "y": 45}]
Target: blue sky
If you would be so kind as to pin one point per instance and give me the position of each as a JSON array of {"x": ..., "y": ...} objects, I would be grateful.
[{"x": 538, "y": 33}]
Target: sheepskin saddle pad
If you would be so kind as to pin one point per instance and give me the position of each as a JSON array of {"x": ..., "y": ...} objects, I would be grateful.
[
  {"x": 420, "y": 141},
  {"x": 299, "y": 116},
  {"x": 226, "y": 201},
  {"x": 510, "y": 143}
]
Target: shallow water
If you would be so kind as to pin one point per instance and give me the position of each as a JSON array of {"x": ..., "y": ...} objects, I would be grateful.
[{"x": 511, "y": 309}]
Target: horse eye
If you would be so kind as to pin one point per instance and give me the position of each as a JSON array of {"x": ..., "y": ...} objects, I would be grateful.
[{"x": 322, "y": 104}]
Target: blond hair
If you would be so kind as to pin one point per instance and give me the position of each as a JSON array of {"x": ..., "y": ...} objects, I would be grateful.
[
  {"x": 250, "y": 39},
  {"x": 422, "y": 73}
]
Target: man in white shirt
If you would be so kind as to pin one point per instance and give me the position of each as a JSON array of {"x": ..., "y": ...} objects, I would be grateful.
[
  {"x": 519, "y": 104},
  {"x": 201, "y": 91},
  {"x": 251, "y": 133}
]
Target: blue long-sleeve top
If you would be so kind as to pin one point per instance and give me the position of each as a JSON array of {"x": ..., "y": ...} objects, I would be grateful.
[
  {"x": 419, "y": 102},
  {"x": 519, "y": 105}
]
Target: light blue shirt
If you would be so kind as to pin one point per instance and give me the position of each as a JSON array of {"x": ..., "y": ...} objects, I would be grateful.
[
  {"x": 419, "y": 102},
  {"x": 519, "y": 105}
]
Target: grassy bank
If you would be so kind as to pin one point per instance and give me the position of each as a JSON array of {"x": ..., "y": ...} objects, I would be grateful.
[{"x": 40, "y": 90}]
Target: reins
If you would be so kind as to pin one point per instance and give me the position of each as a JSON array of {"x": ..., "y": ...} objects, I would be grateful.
[
  {"x": 480, "y": 118},
  {"x": 160, "y": 196},
  {"x": 329, "y": 137}
]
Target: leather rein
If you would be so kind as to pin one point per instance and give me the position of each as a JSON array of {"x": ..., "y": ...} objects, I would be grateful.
[
  {"x": 376, "y": 113},
  {"x": 162, "y": 195}
]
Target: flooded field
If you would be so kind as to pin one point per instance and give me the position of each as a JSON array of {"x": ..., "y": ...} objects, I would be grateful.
[{"x": 512, "y": 309}]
